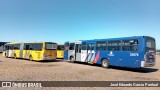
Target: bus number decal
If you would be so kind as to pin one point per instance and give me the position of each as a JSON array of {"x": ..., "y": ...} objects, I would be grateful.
[{"x": 134, "y": 54}]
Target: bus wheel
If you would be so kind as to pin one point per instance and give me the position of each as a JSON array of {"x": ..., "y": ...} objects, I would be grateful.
[
  {"x": 72, "y": 59},
  {"x": 6, "y": 55},
  {"x": 15, "y": 56},
  {"x": 30, "y": 58},
  {"x": 105, "y": 63}
]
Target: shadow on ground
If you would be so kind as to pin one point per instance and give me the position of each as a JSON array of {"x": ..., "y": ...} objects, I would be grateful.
[
  {"x": 49, "y": 61},
  {"x": 43, "y": 61},
  {"x": 139, "y": 70}
]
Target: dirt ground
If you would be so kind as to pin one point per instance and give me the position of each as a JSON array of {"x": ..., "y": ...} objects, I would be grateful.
[{"x": 60, "y": 70}]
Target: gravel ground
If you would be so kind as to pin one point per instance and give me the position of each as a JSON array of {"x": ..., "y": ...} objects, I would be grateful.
[{"x": 59, "y": 70}]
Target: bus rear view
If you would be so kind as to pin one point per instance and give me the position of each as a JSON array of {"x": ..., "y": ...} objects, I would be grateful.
[{"x": 150, "y": 55}]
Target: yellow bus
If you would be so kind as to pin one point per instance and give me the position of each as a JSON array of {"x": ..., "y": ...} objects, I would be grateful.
[
  {"x": 33, "y": 51},
  {"x": 60, "y": 51}
]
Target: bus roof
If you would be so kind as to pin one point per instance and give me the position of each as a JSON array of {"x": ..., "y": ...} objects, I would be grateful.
[
  {"x": 29, "y": 42},
  {"x": 13, "y": 43},
  {"x": 60, "y": 44},
  {"x": 121, "y": 38},
  {"x": 40, "y": 42}
]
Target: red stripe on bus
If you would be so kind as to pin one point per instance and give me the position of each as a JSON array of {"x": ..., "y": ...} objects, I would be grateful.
[{"x": 96, "y": 58}]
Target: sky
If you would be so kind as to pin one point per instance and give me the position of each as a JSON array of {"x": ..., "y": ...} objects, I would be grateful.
[{"x": 69, "y": 20}]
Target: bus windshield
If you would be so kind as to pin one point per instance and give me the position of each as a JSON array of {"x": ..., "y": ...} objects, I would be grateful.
[
  {"x": 150, "y": 44},
  {"x": 51, "y": 46},
  {"x": 60, "y": 47}
]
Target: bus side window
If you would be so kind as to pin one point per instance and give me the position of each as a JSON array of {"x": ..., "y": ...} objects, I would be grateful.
[
  {"x": 11, "y": 47},
  {"x": 27, "y": 47},
  {"x": 7, "y": 47},
  {"x": 71, "y": 47},
  {"x": 101, "y": 46},
  {"x": 92, "y": 48},
  {"x": 89, "y": 47},
  {"x": 98, "y": 46},
  {"x": 31, "y": 47},
  {"x": 114, "y": 45},
  {"x": 80, "y": 48},
  {"x": 77, "y": 47},
  {"x": 130, "y": 45},
  {"x": 83, "y": 46},
  {"x": 16, "y": 46}
]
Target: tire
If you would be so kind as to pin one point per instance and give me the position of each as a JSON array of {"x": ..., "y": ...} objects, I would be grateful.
[
  {"x": 105, "y": 63},
  {"x": 72, "y": 59},
  {"x": 15, "y": 56},
  {"x": 30, "y": 58},
  {"x": 6, "y": 55}
]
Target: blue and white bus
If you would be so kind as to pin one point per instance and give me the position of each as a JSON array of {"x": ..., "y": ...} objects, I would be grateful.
[
  {"x": 135, "y": 52},
  {"x": 2, "y": 46}
]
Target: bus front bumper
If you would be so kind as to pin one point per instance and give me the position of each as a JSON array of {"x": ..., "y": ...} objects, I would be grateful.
[{"x": 145, "y": 64}]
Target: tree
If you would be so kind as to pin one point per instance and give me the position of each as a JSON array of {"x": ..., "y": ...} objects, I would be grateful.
[{"x": 158, "y": 50}]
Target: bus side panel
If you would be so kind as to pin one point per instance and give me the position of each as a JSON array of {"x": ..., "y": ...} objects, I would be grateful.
[
  {"x": 10, "y": 53},
  {"x": 26, "y": 54},
  {"x": 71, "y": 53},
  {"x": 131, "y": 59},
  {"x": 36, "y": 55},
  {"x": 84, "y": 55},
  {"x": 3, "y": 54},
  {"x": 66, "y": 55},
  {"x": 112, "y": 56},
  {"x": 122, "y": 59},
  {"x": 60, "y": 54},
  {"x": 17, "y": 53}
]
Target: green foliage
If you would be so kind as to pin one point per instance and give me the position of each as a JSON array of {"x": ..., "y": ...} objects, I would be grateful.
[{"x": 158, "y": 50}]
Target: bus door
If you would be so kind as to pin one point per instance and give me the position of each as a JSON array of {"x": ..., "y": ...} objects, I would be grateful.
[
  {"x": 10, "y": 50},
  {"x": 83, "y": 52},
  {"x": 71, "y": 52},
  {"x": 78, "y": 52},
  {"x": 90, "y": 52},
  {"x": 7, "y": 50},
  {"x": 21, "y": 50}
]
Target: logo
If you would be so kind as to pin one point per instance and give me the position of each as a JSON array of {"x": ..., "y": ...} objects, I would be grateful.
[
  {"x": 6, "y": 84},
  {"x": 111, "y": 53}
]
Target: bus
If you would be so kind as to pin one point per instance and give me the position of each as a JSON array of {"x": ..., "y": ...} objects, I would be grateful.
[
  {"x": 60, "y": 51},
  {"x": 36, "y": 51},
  {"x": 133, "y": 52}
]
